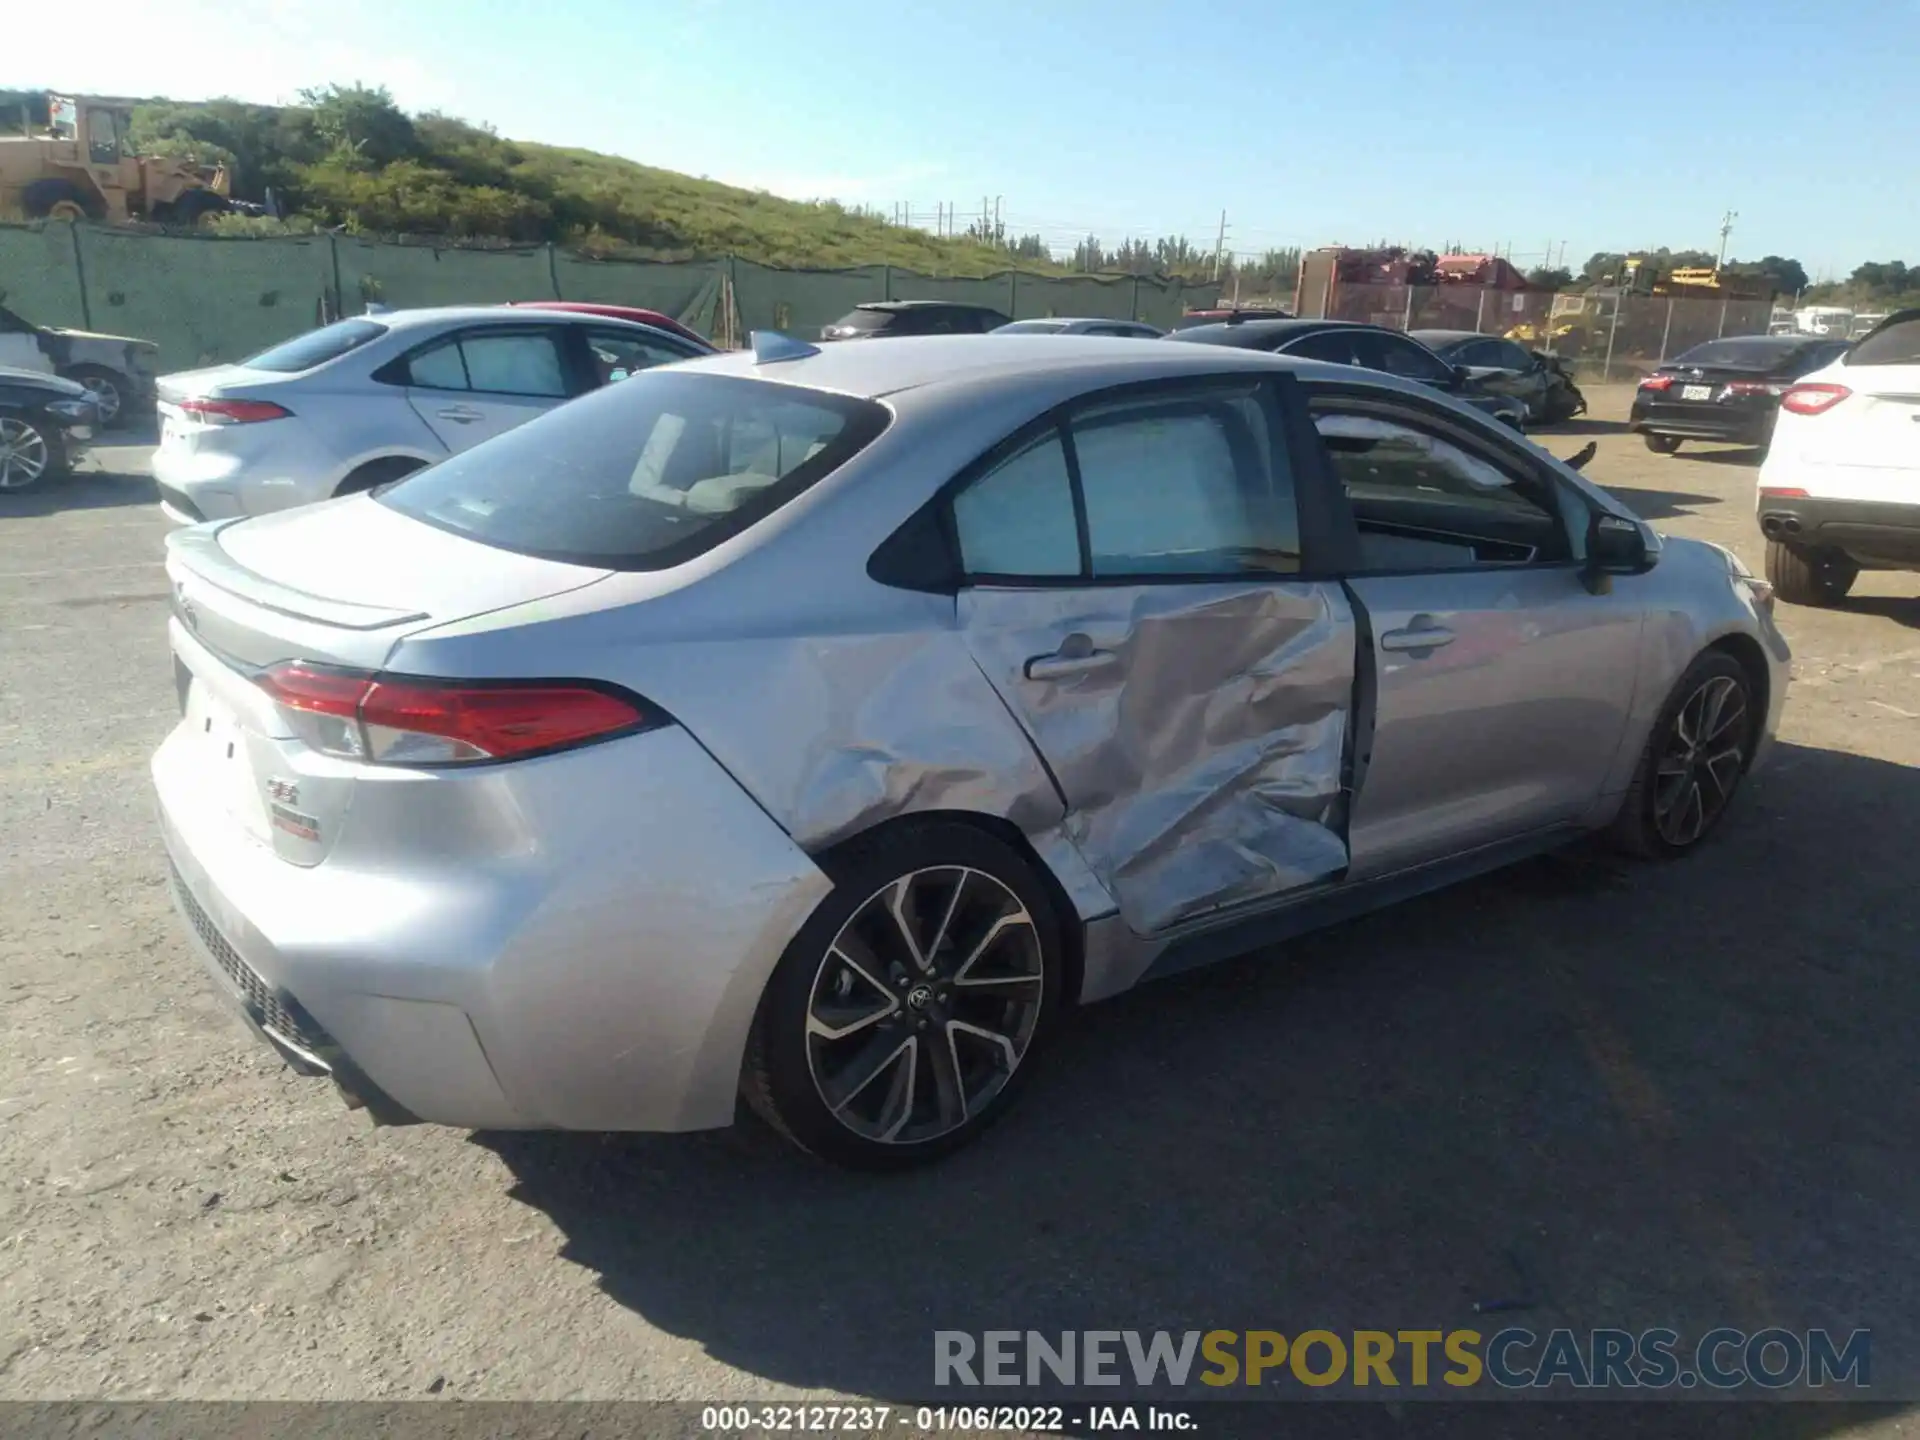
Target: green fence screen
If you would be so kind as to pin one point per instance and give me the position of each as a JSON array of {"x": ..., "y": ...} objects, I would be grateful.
[{"x": 208, "y": 299}]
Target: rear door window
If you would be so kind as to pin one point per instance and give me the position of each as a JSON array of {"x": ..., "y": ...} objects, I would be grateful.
[
  {"x": 645, "y": 474},
  {"x": 1397, "y": 355},
  {"x": 1894, "y": 343},
  {"x": 521, "y": 361},
  {"x": 621, "y": 354}
]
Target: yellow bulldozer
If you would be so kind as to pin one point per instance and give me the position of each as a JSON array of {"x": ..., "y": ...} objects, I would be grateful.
[{"x": 83, "y": 168}]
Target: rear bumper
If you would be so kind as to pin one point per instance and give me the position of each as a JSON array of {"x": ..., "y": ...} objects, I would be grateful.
[
  {"x": 1734, "y": 425},
  {"x": 598, "y": 968},
  {"x": 208, "y": 485},
  {"x": 1875, "y": 532}
]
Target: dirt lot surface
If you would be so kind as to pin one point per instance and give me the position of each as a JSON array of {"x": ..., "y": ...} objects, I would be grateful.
[{"x": 1592, "y": 1095}]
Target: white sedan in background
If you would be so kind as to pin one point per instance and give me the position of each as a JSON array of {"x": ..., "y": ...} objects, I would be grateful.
[
  {"x": 1840, "y": 489},
  {"x": 369, "y": 399}
]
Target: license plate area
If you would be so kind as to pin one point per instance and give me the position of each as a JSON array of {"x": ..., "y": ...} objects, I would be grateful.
[
  {"x": 1696, "y": 392},
  {"x": 224, "y": 750}
]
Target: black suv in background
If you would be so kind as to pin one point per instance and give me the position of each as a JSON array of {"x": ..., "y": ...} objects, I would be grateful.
[{"x": 884, "y": 319}]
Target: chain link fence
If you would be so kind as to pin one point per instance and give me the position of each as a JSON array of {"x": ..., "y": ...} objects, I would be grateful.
[
  {"x": 210, "y": 299},
  {"x": 1604, "y": 336}
]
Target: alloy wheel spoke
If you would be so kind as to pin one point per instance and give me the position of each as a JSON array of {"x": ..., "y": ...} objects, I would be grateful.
[
  {"x": 898, "y": 900},
  {"x": 1730, "y": 717},
  {"x": 1724, "y": 767},
  {"x": 1013, "y": 987},
  {"x": 878, "y": 1056},
  {"x": 836, "y": 1021},
  {"x": 1009, "y": 1055},
  {"x": 1000, "y": 928},
  {"x": 946, "y": 919},
  {"x": 949, "y": 1089}
]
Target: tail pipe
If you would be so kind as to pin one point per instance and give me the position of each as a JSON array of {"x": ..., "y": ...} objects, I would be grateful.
[{"x": 1779, "y": 527}]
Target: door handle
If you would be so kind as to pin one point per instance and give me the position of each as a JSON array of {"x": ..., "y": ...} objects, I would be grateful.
[
  {"x": 1417, "y": 636},
  {"x": 461, "y": 414},
  {"x": 1064, "y": 662}
]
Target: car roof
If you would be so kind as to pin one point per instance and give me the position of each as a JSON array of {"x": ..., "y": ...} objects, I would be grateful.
[
  {"x": 899, "y": 305},
  {"x": 1448, "y": 337},
  {"x": 915, "y": 362},
  {"x": 1251, "y": 333},
  {"x": 492, "y": 314}
]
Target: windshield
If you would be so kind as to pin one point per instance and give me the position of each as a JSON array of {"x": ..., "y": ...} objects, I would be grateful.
[
  {"x": 645, "y": 474},
  {"x": 1750, "y": 352},
  {"x": 316, "y": 347}
]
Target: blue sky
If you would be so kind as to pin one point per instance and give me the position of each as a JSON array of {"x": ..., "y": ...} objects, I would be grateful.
[{"x": 1308, "y": 123}]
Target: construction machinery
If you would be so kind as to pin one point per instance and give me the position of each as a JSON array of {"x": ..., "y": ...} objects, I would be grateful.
[{"x": 84, "y": 168}]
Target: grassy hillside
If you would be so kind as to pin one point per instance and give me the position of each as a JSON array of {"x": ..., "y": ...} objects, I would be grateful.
[{"x": 349, "y": 157}]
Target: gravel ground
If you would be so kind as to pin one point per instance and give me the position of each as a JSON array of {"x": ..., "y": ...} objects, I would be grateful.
[{"x": 1680, "y": 1095}]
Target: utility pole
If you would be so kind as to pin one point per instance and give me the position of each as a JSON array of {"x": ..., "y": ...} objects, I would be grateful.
[
  {"x": 1726, "y": 229},
  {"x": 1219, "y": 244}
]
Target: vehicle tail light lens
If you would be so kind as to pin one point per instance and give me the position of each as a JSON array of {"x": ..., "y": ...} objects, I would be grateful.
[
  {"x": 1814, "y": 399},
  {"x": 1757, "y": 387},
  {"x": 233, "y": 412},
  {"x": 1657, "y": 382},
  {"x": 1782, "y": 492},
  {"x": 408, "y": 720}
]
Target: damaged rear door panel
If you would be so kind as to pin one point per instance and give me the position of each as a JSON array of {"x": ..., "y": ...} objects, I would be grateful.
[{"x": 1135, "y": 596}]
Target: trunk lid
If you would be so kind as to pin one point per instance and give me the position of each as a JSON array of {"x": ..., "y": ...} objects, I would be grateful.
[
  {"x": 1877, "y": 427},
  {"x": 339, "y": 583}
]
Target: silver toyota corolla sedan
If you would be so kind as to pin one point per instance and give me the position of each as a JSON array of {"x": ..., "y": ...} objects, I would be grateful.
[
  {"x": 363, "y": 401},
  {"x": 824, "y": 725}
]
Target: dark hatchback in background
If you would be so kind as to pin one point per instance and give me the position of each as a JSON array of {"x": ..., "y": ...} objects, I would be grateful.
[
  {"x": 1506, "y": 367},
  {"x": 1372, "y": 347},
  {"x": 885, "y": 319},
  {"x": 1726, "y": 390},
  {"x": 45, "y": 422}
]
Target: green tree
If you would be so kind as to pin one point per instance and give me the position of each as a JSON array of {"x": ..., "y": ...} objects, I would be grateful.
[
  {"x": 1550, "y": 277},
  {"x": 362, "y": 121}
]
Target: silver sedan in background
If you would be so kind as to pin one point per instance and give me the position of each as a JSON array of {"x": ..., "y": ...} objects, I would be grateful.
[
  {"x": 825, "y": 724},
  {"x": 369, "y": 399}
]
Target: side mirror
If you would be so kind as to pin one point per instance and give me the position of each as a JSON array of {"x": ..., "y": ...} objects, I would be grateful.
[
  {"x": 1462, "y": 378},
  {"x": 1615, "y": 546}
]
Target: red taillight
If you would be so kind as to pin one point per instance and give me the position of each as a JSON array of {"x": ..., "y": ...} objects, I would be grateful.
[
  {"x": 1656, "y": 382},
  {"x": 1757, "y": 387},
  {"x": 404, "y": 720},
  {"x": 232, "y": 412},
  {"x": 1781, "y": 492},
  {"x": 1814, "y": 399}
]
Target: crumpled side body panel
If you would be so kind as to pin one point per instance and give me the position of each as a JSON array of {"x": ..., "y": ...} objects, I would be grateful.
[{"x": 1202, "y": 763}]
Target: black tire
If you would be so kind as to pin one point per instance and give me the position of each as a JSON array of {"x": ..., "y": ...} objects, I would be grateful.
[
  {"x": 1802, "y": 576},
  {"x": 43, "y": 198},
  {"x": 109, "y": 392},
  {"x": 193, "y": 206},
  {"x": 1663, "y": 444},
  {"x": 31, "y": 454},
  {"x": 1697, "y": 752},
  {"x": 377, "y": 472},
  {"x": 791, "y": 1064}
]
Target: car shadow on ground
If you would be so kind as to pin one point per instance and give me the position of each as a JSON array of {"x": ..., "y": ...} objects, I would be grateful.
[
  {"x": 1901, "y": 609},
  {"x": 1577, "y": 1093},
  {"x": 1580, "y": 425},
  {"x": 1652, "y": 505},
  {"x": 1748, "y": 455},
  {"x": 82, "y": 490}
]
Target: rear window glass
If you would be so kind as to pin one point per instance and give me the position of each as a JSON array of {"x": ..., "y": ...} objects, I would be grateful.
[
  {"x": 1752, "y": 352},
  {"x": 316, "y": 347},
  {"x": 1894, "y": 344},
  {"x": 644, "y": 475},
  {"x": 865, "y": 321}
]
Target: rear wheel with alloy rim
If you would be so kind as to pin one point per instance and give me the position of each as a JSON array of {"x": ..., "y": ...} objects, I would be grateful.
[
  {"x": 109, "y": 400},
  {"x": 27, "y": 456},
  {"x": 1694, "y": 761},
  {"x": 903, "y": 1017}
]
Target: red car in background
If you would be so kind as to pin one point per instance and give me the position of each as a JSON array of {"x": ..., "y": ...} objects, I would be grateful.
[{"x": 618, "y": 312}]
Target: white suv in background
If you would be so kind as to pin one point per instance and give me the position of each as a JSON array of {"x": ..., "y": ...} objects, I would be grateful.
[{"x": 1840, "y": 489}]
